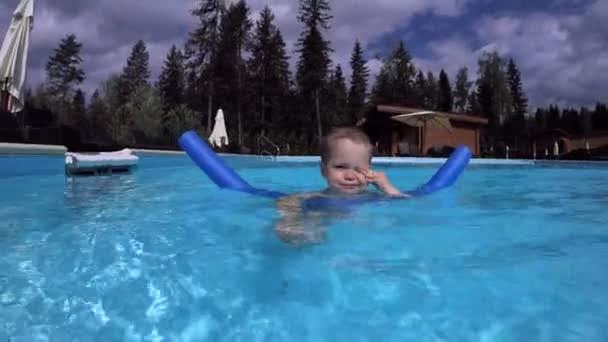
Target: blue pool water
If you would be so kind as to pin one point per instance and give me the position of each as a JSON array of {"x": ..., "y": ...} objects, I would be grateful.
[{"x": 511, "y": 253}]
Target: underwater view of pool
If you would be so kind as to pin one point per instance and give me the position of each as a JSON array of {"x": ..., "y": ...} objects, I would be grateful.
[{"x": 509, "y": 253}]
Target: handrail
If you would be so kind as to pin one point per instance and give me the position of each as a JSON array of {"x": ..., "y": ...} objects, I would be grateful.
[
  {"x": 261, "y": 138},
  {"x": 266, "y": 153}
]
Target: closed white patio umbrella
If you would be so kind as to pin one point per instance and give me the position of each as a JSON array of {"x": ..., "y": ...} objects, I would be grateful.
[
  {"x": 219, "y": 135},
  {"x": 14, "y": 53}
]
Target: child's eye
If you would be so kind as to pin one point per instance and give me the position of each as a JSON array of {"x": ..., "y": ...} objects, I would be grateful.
[{"x": 340, "y": 166}]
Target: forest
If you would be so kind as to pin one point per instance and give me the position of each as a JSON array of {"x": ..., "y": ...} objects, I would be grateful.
[{"x": 242, "y": 66}]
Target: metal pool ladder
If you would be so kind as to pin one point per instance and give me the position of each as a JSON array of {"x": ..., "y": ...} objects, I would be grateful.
[{"x": 264, "y": 144}]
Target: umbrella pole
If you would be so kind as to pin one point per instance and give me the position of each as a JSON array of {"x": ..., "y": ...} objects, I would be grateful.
[
  {"x": 423, "y": 139},
  {"x": 419, "y": 140},
  {"x": 4, "y": 94}
]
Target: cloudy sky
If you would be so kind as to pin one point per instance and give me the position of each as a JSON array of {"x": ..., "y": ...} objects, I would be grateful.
[{"x": 560, "y": 46}]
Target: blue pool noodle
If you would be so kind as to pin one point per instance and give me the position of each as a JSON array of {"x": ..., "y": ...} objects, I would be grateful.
[
  {"x": 226, "y": 178},
  {"x": 220, "y": 173},
  {"x": 447, "y": 174}
]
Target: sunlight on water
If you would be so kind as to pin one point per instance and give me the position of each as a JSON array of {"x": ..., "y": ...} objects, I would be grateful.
[{"x": 508, "y": 254}]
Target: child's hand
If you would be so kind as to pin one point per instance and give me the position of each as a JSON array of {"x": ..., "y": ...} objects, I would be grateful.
[{"x": 380, "y": 181}]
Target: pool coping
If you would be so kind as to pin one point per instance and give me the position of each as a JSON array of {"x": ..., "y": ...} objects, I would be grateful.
[
  {"x": 14, "y": 149},
  {"x": 18, "y": 149}
]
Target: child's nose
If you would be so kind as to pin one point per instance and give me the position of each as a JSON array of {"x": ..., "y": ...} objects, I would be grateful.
[{"x": 350, "y": 174}]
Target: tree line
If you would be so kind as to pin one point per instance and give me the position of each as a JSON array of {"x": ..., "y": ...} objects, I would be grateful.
[{"x": 242, "y": 66}]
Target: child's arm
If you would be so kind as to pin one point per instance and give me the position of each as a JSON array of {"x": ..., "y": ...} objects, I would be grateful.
[{"x": 291, "y": 228}]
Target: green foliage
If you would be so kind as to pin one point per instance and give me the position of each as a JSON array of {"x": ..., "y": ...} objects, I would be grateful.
[
  {"x": 358, "y": 83},
  {"x": 431, "y": 93},
  {"x": 179, "y": 120},
  {"x": 146, "y": 111},
  {"x": 444, "y": 95},
  {"x": 116, "y": 123},
  {"x": 268, "y": 72},
  {"x": 231, "y": 67},
  {"x": 136, "y": 73},
  {"x": 518, "y": 98},
  {"x": 419, "y": 89},
  {"x": 201, "y": 52},
  {"x": 585, "y": 122},
  {"x": 337, "y": 100},
  {"x": 600, "y": 117},
  {"x": 97, "y": 118},
  {"x": 493, "y": 94},
  {"x": 473, "y": 107},
  {"x": 77, "y": 111},
  {"x": 171, "y": 80},
  {"x": 516, "y": 121},
  {"x": 461, "y": 90},
  {"x": 63, "y": 73},
  {"x": 395, "y": 83},
  {"x": 314, "y": 62},
  {"x": 229, "y": 63}
]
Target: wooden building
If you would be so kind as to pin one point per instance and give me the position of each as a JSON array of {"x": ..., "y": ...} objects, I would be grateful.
[
  {"x": 421, "y": 135},
  {"x": 554, "y": 143}
]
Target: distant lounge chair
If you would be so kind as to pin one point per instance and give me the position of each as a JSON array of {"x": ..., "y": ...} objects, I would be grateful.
[{"x": 100, "y": 163}]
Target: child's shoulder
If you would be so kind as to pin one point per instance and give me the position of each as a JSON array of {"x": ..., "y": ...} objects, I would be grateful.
[{"x": 298, "y": 197}]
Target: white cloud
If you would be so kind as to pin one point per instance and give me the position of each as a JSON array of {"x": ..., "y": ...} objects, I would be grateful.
[
  {"x": 450, "y": 54},
  {"x": 108, "y": 29},
  {"x": 560, "y": 62},
  {"x": 561, "y": 57}
]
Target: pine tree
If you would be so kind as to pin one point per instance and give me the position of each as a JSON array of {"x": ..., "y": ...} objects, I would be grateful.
[
  {"x": 404, "y": 72},
  {"x": 599, "y": 118},
  {"x": 493, "y": 93},
  {"x": 171, "y": 80},
  {"x": 473, "y": 107},
  {"x": 398, "y": 72},
  {"x": 444, "y": 95},
  {"x": 269, "y": 71},
  {"x": 313, "y": 63},
  {"x": 519, "y": 103},
  {"x": 96, "y": 113},
  {"x": 358, "y": 83},
  {"x": 553, "y": 117},
  {"x": 585, "y": 122},
  {"x": 431, "y": 92},
  {"x": 78, "y": 110},
  {"x": 64, "y": 72},
  {"x": 382, "y": 91},
  {"x": 338, "y": 99},
  {"x": 136, "y": 73},
  {"x": 145, "y": 109},
  {"x": 260, "y": 63},
  {"x": 117, "y": 123},
  {"x": 419, "y": 90},
  {"x": 461, "y": 90},
  {"x": 281, "y": 74},
  {"x": 540, "y": 120},
  {"x": 201, "y": 54},
  {"x": 518, "y": 98},
  {"x": 570, "y": 121},
  {"x": 234, "y": 38}
]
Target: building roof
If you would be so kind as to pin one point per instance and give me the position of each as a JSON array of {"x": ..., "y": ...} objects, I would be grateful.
[{"x": 451, "y": 116}]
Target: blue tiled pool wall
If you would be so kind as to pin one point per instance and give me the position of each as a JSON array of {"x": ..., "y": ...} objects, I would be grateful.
[{"x": 14, "y": 165}]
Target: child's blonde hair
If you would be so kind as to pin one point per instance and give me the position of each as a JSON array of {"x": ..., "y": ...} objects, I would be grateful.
[{"x": 354, "y": 134}]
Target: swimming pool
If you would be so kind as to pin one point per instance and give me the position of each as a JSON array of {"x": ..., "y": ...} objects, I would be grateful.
[{"x": 510, "y": 253}]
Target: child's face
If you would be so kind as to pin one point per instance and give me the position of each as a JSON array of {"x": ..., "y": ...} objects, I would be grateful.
[{"x": 343, "y": 169}]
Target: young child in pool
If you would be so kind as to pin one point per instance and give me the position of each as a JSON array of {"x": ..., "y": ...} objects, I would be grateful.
[{"x": 346, "y": 154}]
